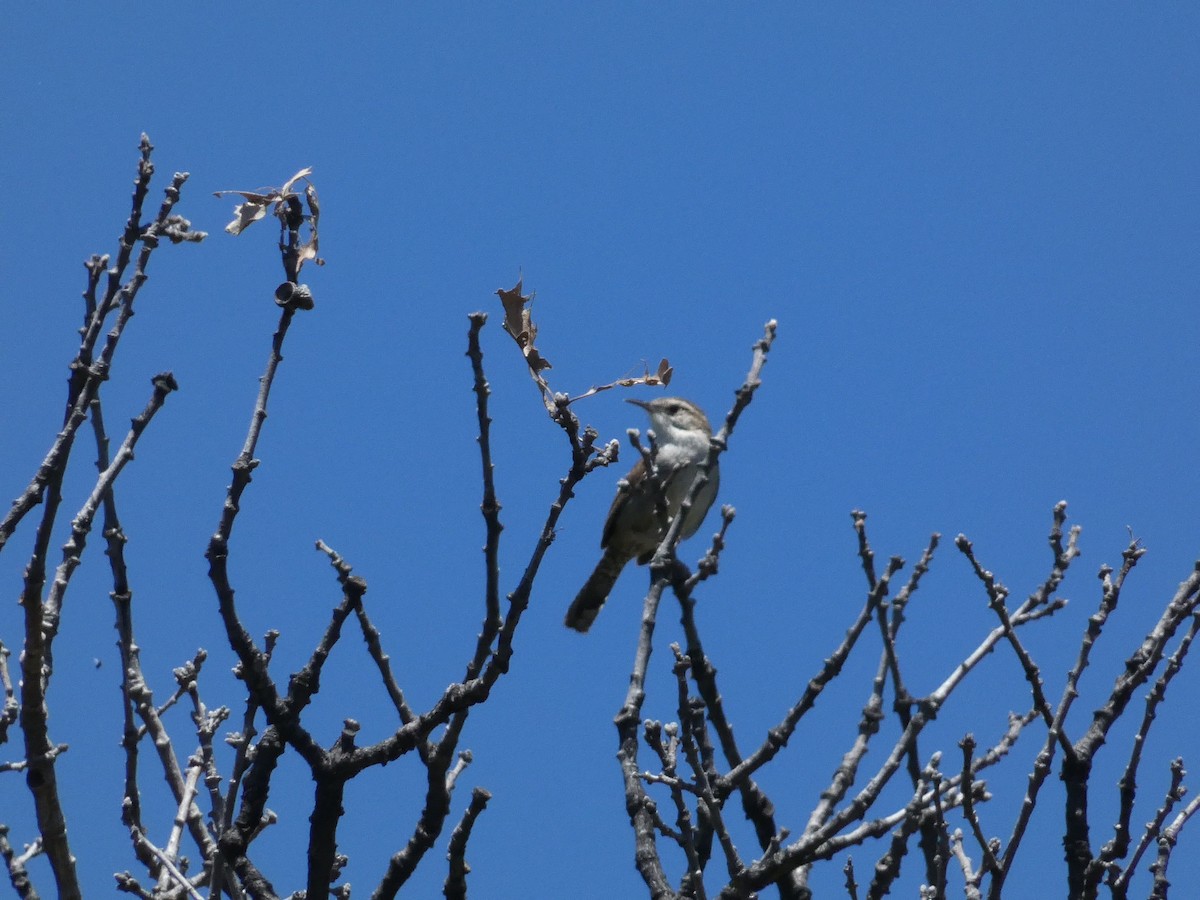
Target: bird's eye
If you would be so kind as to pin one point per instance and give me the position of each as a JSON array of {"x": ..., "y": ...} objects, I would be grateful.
[{"x": 674, "y": 408}]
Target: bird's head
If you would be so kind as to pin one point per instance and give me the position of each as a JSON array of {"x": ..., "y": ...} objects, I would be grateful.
[{"x": 671, "y": 416}]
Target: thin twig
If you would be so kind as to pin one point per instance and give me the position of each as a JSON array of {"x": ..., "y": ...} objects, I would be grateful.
[
  {"x": 456, "y": 880},
  {"x": 15, "y": 865}
]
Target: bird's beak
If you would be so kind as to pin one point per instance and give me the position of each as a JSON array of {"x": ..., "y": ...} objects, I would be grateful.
[{"x": 642, "y": 403}]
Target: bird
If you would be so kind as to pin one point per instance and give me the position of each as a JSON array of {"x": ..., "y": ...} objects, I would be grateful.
[{"x": 634, "y": 528}]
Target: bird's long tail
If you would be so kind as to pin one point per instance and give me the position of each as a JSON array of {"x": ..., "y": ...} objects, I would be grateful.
[{"x": 586, "y": 605}]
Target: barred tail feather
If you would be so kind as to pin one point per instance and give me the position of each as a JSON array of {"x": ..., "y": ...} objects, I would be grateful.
[{"x": 587, "y": 603}]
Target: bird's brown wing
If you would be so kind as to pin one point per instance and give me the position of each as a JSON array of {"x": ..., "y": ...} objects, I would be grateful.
[{"x": 635, "y": 477}]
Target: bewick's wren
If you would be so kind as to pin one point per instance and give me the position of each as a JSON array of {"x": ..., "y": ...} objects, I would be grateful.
[{"x": 634, "y": 527}]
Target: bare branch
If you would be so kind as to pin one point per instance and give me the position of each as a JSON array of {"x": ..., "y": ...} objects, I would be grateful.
[
  {"x": 87, "y": 371},
  {"x": 456, "y": 881},
  {"x": 778, "y": 736},
  {"x": 1118, "y": 846},
  {"x": 81, "y": 525},
  {"x": 15, "y": 865},
  {"x": 660, "y": 376},
  {"x": 637, "y": 802},
  {"x": 170, "y": 870},
  {"x": 986, "y": 848},
  {"x": 1166, "y": 844},
  {"x": 41, "y": 618},
  {"x": 8, "y": 713},
  {"x": 490, "y": 507},
  {"x": 1153, "y": 830}
]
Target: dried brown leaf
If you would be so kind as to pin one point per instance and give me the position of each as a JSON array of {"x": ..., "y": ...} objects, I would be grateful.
[
  {"x": 309, "y": 250},
  {"x": 537, "y": 362},
  {"x": 258, "y": 202},
  {"x": 518, "y": 322},
  {"x": 314, "y": 205},
  {"x": 665, "y": 371},
  {"x": 287, "y": 185},
  {"x": 514, "y": 310},
  {"x": 251, "y": 196},
  {"x": 244, "y": 215}
]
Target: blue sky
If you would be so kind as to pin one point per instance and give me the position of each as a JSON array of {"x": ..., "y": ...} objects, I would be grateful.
[{"x": 977, "y": 228}]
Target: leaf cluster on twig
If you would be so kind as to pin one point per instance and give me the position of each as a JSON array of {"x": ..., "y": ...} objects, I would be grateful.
[{"x": 519, "y": 324}]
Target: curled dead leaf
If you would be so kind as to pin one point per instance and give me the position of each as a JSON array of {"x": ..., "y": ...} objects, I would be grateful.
[
  {"x": 518, "y": 322},
  {"x": 244, "y": 214},
  {"x": 665, "y": 371},
  {"x": 287, "y": 185},
  {"x": 259, "y": 202}
]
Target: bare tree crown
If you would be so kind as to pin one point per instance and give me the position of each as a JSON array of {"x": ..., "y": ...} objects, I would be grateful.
[{"x": 679, "y": 776}]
